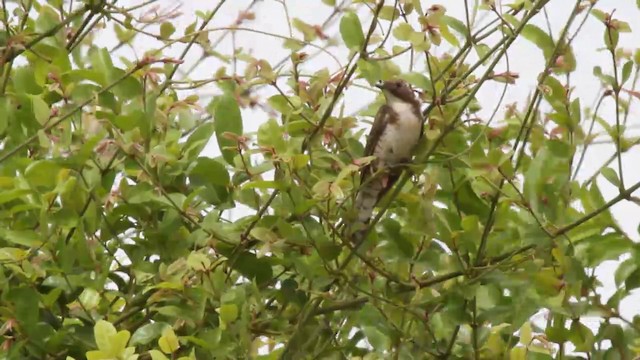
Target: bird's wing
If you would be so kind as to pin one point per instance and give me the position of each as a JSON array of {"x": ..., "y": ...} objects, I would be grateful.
[
  {"x": 418, "y": 113},
  {"x": 370, "y": 189},
  {"x": 377, "y": 129}
]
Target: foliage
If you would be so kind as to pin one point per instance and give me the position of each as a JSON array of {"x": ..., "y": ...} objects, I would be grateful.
[{"x": 121, "y": 239}]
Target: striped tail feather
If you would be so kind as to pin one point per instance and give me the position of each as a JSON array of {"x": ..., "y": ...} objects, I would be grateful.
[
  {"x": 370, "y": 192},
  {"x": 366, "y": 200},
  {"x": 372, "y": 189}
]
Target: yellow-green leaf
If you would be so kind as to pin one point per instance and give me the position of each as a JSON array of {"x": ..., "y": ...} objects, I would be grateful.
[
  {"x": 103, "y": 331},
  {"x": 525, "y": 334},
  {"x": 403, "y": 31},
  {"x": 89, "y": 298},
  {"x": 228, "y": 313},
  {"x": 157, "y": 355},
  {"x": 168, "y": 342},
  {"x": 351, "y": 30},
  {"x": 166, "y": 29}
]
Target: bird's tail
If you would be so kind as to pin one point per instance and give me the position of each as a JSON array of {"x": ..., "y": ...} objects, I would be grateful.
[{"x": 367, "y": 198}]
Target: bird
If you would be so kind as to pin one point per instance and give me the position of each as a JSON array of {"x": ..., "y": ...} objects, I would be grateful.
[{"x": 396, "y": 131}]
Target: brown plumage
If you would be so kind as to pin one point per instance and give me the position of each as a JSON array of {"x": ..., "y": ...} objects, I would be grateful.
[{"x": 396, "y": 130}]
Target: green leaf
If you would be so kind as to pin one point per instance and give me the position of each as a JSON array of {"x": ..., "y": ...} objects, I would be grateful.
[
  {"x": 28, "y": 238},
  {"x": 264, "y": 234},
  {"x": 168, "y": 342},
  {"x": 42, "y": 173},
  {"x": 135, "y": 119},
  {"x": 10, "y": 195},
  {"x": 607, "y": 79},
  {"x": 633, "y": 280},
  {"x": 280, "y": 104},
  {"x": 594, "y": 201},
  {"x": 119, "y": 342},
  {"x": 89, "y": 298},
  {"x": 198, "y": 140},
  {"x": 271, "y": 135},
  {"x": 106, "y": 74},
  {"x": 26, "y": 305},
  {"x": 253, "y": 267},
  {"x": 419, "y": 41},
  {"x": 213, "y": 177},
  {"x": 611, "y": 176},
  {"x": 351, "y": 31},
  {"x": 208, "y": 171},
  {"x": 599, "y": 14},
  {"x": 157, "y": 355},
  {"x": 198, "y": 261},
  {"x": 128, "y": 88},
  {"x": 418, "y": 80},
  {"x": 455, "y": 24},
  {"x": 627, "y": 68},
  {"x": 97, "y": 355},
  {"x": 308, "y": 31},
  {"x": 228, "y": 313},
  {"x": 581, "y": 336},
  {"x": 370, "y": 70},
  {"x": 263, "y": 184},
  {"x": 103, "y": 332},
  {"x": 611, "y": 38},
  {"x": 403, "y": 31},
  {"x": 147, "y": 333},
  {"x": 624, "y": 270},
  {"x": 470, "y": 203},
  {"x": 101, "y": 62},
  {"x": 596, "y": 249},
  {"x": 388, "y": 13},
  {"x": 444, "y": 23},
  {"x": 227, "y": 119},
  {"x": 376, "y": 338},
  {"x": 5, "y": 108},
  {"x": 482, "y": 50},
  {"x": 166, "y": 30},
  {"x": 540, "y": 38},
  {"x": 525, "y": 334},
  {"x": 518, "y": 353},
  {"x": 534, "y": 177},
  {"x": 41, "y": 109},
  {"x": 12, "y": 254},
  {"x": 24, "y": 81}
]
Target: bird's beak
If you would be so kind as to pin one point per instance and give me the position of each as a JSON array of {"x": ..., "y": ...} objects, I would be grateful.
[{"x": 379, "y": 84}]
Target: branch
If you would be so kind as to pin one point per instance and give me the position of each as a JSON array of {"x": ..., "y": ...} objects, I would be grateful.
[
  {"x": 621, "y": 196},
  {"x": 339, "y": 306},
  {"x": 493, "y": 261},
  {"x": 616, "y": 96}
]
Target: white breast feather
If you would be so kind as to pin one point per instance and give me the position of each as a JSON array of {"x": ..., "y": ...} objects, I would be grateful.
[{"x": 400, "y": 138}]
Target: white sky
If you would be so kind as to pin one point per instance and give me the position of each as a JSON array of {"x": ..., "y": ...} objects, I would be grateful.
[{"x": 525, "y": 59}]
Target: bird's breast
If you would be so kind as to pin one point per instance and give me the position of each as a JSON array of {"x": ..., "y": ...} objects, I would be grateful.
[{"x": 400, "y": 136}]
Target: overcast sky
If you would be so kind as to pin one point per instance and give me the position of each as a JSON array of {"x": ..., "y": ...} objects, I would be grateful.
[{"x": 524, "y": 57}]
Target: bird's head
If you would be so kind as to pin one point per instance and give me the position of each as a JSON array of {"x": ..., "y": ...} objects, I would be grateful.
[{"x": 395, "y": 90}]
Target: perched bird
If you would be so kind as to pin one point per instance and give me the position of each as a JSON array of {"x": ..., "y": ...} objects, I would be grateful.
[{"x": 396, "y": 130}]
